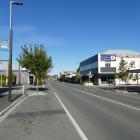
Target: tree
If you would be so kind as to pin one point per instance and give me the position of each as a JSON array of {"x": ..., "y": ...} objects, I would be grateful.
[
  {"x": 3, "y": 80},
  {"x": 35, "y": 59},
  {"x": 78, "y": 75},
  {"x": 124, "y": 71},
  {"x": 14, "y": 78},
  {"x": 63, "y": 77}
]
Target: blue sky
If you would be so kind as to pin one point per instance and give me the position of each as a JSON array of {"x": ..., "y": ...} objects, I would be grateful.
[{"x": 73, "y": 30}]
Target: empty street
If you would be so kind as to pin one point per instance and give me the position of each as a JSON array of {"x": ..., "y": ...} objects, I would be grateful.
[{"x": 102, "y": 115}]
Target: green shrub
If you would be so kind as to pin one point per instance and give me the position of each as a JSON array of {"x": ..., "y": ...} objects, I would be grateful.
[{"x": 4, "y": 77}]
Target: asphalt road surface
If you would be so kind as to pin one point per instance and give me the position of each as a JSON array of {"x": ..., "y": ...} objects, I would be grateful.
[
  {"x": 101, "y": 114},
  {"x": 39, "y": 116}
]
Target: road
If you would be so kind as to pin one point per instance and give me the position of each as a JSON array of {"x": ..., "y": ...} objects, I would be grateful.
[
  {"x": 101, "y": 114},
  {"x": 38, "y": 116}
]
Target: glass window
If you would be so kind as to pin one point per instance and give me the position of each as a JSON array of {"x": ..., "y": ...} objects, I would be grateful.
[
  {"x": 107, "y": 64},
  {"x": 132, "y": 64}
]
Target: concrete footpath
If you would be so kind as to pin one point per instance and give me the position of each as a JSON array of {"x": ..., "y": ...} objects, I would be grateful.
[
  {"x": 38, "y": 117},
  {"x": 4, "y": 100}
]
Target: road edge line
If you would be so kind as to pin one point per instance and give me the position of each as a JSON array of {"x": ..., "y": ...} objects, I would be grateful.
[{"x": 75, "y": 125}]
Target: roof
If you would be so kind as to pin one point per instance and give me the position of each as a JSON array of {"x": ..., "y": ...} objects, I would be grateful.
[{"x": 124, "y": 53}]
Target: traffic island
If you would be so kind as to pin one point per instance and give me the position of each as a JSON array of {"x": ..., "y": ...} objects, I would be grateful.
[{"x": 40, "y": 118}]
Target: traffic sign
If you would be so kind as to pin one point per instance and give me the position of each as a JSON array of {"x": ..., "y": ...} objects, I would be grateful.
[{"x": 4, "y": 44}]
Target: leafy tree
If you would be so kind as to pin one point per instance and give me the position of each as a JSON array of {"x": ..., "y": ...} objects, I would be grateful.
[
  {"x": 62, "y": 78},
  {"x": 124, "y": 71},
  {"x": 35, "y": 59},
  {"x": 78, "y": 75},
  {"x": 3, "y": 81},
  {"x": 14, "y": 77}
]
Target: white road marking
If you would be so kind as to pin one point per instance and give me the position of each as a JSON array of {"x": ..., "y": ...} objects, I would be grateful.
[
  {"x": 76, "y": 126},
  {"x": 37, "y": 94},
  {"x": 103, "y": 98}
]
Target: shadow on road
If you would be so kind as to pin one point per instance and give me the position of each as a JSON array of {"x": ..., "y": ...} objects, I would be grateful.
[
  {"x": 6, "y": 89},
  {"x": 39, "y": 89},
  {"x": 15, "y": 97},
  {"x": 3, "y": 90},
  {"x": 16, "y": 93}
]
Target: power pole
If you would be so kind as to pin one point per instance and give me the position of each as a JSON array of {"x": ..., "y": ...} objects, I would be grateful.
[
  {"x": 10, "y": 55},
  {"x": 12, "y": 2}
]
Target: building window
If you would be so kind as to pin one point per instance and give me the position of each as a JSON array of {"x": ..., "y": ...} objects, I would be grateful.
[
  {"x": 107, "y": 64},
  {"x": 132, "y": 64}
]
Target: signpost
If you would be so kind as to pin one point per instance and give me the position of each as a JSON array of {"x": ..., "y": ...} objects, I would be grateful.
[
  {"x": 4, "y": 44},
  {"x": 3, "y": 47}
]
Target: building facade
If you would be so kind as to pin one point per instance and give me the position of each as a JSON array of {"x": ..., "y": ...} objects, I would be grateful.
[
  {"x": 104, "y": 66},
  {"x": 22, "y": 77}
]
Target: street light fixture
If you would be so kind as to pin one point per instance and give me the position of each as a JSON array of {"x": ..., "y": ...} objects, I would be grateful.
[
  {"x": 12, "y": 2},
  {"x": 17, "y": 3}
]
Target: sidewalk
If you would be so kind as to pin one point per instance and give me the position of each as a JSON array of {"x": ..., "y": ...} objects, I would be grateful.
[
  {"x": 39, "y": 117},
  {"x": 4, "y": 100}
]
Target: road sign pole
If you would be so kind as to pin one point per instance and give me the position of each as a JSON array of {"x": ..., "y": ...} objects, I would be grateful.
[{"x": 10, "y": 55}]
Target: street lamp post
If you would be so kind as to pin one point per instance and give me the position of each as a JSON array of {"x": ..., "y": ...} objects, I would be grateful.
[{"x": 10, "y": 49}]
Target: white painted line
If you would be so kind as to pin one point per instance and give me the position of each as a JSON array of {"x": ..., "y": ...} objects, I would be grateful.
[
  {"x": 39, "y": 94},
  {"x": 76, "y": 126},
  {"x": 12, "y": 107},
  {"x": 103, "y": 98}
]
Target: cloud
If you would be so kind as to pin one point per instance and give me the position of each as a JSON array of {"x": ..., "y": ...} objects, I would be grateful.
[
  {"x": 49, "y": 41},
  {"x": 18, "y": 30},
  {"x": 56, "y": 41},
  {"x": 24, "y": 29},
  {"x": 27, "y": 34}
]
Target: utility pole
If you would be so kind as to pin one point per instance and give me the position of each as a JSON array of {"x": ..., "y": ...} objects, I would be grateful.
[
  {"x": 10, "y": 55},
  {"x": 12, "y": 2}
]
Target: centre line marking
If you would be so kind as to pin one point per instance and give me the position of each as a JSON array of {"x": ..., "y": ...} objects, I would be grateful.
[{"x": 113, "y": 101}]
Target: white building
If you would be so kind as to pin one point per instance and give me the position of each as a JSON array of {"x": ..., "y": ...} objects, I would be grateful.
[
  {"x": 105, "y": 65},
  {"x": 23, "y": 76}
]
